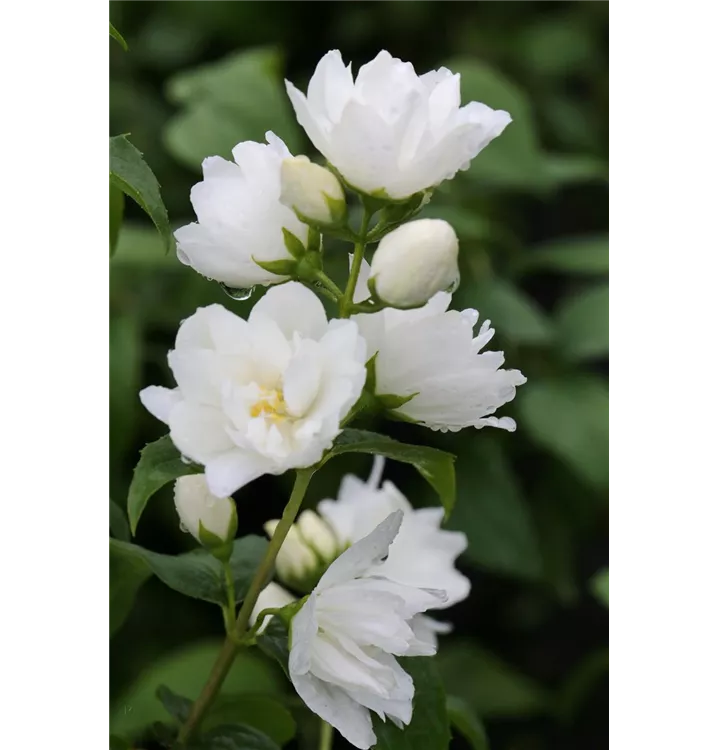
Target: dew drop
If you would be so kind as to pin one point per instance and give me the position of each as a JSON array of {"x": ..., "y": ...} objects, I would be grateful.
[
  {"x": 185, "y": 460},
  {"x": 237, "y": 293}
]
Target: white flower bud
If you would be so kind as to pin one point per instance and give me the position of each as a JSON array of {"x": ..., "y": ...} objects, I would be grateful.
[
  {"x": 272, "y": 596},
  {"x": 197, "y": 506},
  {"x": 318, "y": 535},
  {"x": 313, "y": 191},
  {"x": 414, "y": 262},
  {"x": 296, "y": 560}
]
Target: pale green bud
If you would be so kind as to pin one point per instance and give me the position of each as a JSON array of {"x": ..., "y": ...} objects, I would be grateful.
[
  {"x": 313, "y": 192},
  {"x": 414, "y": 262},
  {"x": 318, "y": 535},
  {"x": 211, "y": 520}
]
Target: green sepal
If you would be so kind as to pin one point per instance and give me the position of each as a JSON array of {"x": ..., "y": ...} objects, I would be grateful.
[
  {"x": 294, "y": 245},
  {"x": 115, "y": 34},
  {"x": 370, "y": 382},
  {"x": 314, "y": 240},
  {"x": 392, "y": 401},
  {"x": 306, "y": 268},
  {"x": 287, "y": 612},
  {"x": 284, "y": 267},
  {"x": 337, "y": 208}
]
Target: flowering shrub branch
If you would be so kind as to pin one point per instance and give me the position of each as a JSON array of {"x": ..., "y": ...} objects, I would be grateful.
[{"x": 280, "y": 391}]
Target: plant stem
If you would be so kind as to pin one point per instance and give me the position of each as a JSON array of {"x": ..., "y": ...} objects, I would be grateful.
[
  {"x": 231, "y": 603},
  {"x": 329, "y": 284},
  {"x": 347, "y": 300},
  {"x": 325, "y": 736},
  {"x": 229, "y": 650}
]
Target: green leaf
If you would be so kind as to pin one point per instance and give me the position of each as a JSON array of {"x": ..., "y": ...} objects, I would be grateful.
[
  {"x": 176, "y": 706},
  {"x": 487, "y": 684},
  {"x": 264, "y": 713},
  {"x": 465, "y": 720},
  {"x": 565, "y": 169},
  {"x": 118, "y": 523},
  {"x": 429, "y": 727},
  {"x": 127, "y": 574},
  {"x": 160, "y": 462},
  {"x": 573, "y": 255},
  {"x": 115, "y": 34},
  {"x": 236, "y": 99},
  {"x": 514, "y": 159},
  {"x": 119, "y": 743},
  {"x": 579, "y": 685},
  {"x": 599, "y": 586},
  {"x": 468, "y": 224},
  {"x": 130, "y": 173},
  {"x": 514, "y": 315},
  {"x": 117, "y": 210},
  {"x": 234, "y": 737},
  {"x": 185, "y": 671},
  {"x": 494, "y": 514},
  {"x": 139, "y": 246},
  {"x": 582, "y": 325},
  {"x": 568, "y": 416},
  {"x": 274, "y": 641},
  {"x": 436, "y": 466},
  {"x": 199, "y": 574},
  {"x": 125, "y": 372}
]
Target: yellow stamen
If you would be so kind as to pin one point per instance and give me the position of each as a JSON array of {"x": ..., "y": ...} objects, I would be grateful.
[{"x": 271, "y": 405}]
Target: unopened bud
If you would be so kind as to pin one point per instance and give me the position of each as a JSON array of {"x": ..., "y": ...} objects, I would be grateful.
[
  {"x": 296, "y": 561},
  {"x": 318, "y": 535},
  {"x": 313, "y": 192},
  {"x": 272, "y": 596},
  {"x": 211, "y": 520},
  {"x": 414, "y": 262}
]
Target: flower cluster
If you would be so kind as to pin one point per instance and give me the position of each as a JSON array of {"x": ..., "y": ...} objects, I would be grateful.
[{"x": 273, "y": 392}]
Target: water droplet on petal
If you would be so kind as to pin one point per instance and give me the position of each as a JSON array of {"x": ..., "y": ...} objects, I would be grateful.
[
  {"x": 237, "y": 293},
  {"x": 185, "y": 460}
]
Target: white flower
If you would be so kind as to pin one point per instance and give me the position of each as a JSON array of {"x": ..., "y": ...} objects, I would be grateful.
[
  {"x": 240, "y": 216},
  {"x": 390, "y": 129},
  {"x": 423, "y": 554},
  {"x": 260, "y": 396},
  {"x": 415, "y": 261},
  {"x": 432, "y": 352},
  {"x": 312, "y": 190},
  {"x": 200, "y": 511},
  {"x": 345, "y": 637},
  {"x": 272, "y": 596}
]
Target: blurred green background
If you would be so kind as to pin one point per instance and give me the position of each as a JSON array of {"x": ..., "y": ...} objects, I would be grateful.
[{"x": 529, "y": 649}]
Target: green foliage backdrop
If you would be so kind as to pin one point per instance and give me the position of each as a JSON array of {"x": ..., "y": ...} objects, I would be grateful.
[{"x": 526, "y": 666}]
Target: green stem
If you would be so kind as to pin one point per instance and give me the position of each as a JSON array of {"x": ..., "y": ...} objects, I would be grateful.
[
  {"x": 329, "y": 284},
  {"x": 229, "y": 650},
  {"x": 325, "y": 736},
  {"x": 359, "y": 247},
  {"x": 231, "y": 603}
]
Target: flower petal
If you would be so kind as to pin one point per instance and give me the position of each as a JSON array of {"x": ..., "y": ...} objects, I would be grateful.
[
  {"x": 294, "y": 309},
  {"x": 362, "y": 554}
]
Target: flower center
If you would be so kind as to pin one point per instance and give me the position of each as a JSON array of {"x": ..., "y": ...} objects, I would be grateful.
[{"x": 270, "y": 404}]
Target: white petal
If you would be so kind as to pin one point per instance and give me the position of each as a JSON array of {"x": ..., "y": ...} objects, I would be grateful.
[
  {"x": 230, "y": 471},
  {"x": 294, "y": 309},
  {"x": 199, "y": 432},
  {"x": 302, "y": 378},
  {"x": 333, "y": 705},
  {"x": 159, "y": 401},
  {"x": 363, "y": 554}
]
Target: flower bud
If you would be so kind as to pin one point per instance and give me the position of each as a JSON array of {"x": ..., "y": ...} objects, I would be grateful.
[
  {"x": 296, "y": 561},
  {"x": 272, "y": 596},
  {"x": 318, "y": 535},
  {"x": 313, "y": 192},
  {"x": 414, "y": 262},
  {"x": 211, "y": 520}
]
